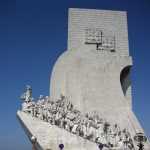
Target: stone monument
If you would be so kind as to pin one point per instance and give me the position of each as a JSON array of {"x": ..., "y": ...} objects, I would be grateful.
[{"x": 90, "y": 102}]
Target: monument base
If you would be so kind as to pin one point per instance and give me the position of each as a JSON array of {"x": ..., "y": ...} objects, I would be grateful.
[
  {"x": 45, "y": 136},
  {"x": 49, "y": 137}
]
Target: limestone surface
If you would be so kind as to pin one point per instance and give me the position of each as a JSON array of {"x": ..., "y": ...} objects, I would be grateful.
[{"x": 94, "y": 74}]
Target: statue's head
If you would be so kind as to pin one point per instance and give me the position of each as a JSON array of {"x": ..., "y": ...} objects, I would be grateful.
[
  {"x": 41, "y": 97},
  {"x": 28, "y": 87}
]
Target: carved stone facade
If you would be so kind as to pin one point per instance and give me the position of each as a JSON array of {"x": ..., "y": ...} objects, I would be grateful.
[
  {"x": 89, "y": 126},
  {"x": 90, "y": 102}
]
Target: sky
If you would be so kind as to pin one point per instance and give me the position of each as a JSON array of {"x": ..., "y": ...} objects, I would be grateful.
[{"x": 32, "y": 36}]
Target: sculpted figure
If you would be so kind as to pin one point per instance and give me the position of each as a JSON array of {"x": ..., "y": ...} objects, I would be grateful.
[
  {"x": 84, "y": 128},
  {"x": 128, "y": 144},
  {"x": 115, "y": 129},
  {"x": 99, "y": 130},
  {"x": 118, "y": 138},
  {"x": 95, "y": 117},
  {"x": 54, "y": 108},
  {"x": 44, "y": 112},
  {"x": 41, "y": 97},
  {"x": 101, "y": 140},
  {"x": 27, "y": 95},
  {"x": 74, "y": 128},
  {"x": 70, "y": 115},
  {"x": 49, "y": 116},
  {"x": 31, "y": 107},
  {"x": 62, "y": 118},
  {"x": 67, "y": 124},
  {"x": 89, "y": 126},
  {"x": 35, "y": 110},
  {"x": 114, "y": 134},
  {"x": 106, "y": 129},
  {"x": 49, "y": 106},
  {"x": 68, "y": 105},
  {"x": 24, "y": 107},
  {"x": 28, "y": 107},
  {"x": 111, "y": 137},
  {"x": 41, "y": 116},
  {"x": 58, "y": 118},
  {"x": 90, "y": 131},
  {"x": 47, "y": 98},
  {"x": 80, "y": 128},
  {"x": 62, "y": 97},
  {"x": 120, "y": 144},
  {"x": 75, "y": 122},
  {"x": 78, "y": 121}
]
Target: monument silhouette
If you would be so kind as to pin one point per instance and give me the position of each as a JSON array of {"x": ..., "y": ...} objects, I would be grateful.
[{"x": 90, "y": 102}]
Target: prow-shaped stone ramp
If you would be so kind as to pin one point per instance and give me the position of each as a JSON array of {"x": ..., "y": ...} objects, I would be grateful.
[{"x": 50, "y": 136}]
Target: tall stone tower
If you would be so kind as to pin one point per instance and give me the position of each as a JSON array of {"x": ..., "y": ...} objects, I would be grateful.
[{"x": 93, "y": 74}]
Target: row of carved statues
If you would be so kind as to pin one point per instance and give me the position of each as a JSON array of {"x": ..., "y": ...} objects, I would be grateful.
[{"x": 89, "y": 126}]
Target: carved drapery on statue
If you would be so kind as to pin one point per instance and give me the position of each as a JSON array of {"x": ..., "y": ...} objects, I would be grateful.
[{"x": 89, "y": 126}]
